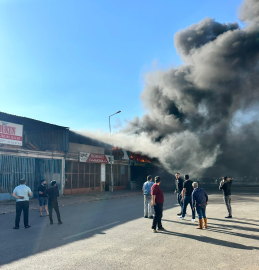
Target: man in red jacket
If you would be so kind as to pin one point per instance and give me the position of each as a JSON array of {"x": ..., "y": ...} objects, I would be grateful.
[{"x": 157, "y": 202}]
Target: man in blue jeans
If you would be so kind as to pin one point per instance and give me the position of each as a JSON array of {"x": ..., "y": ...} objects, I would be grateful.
[
  {"x": 187, "y": 197},
  {"x": 200, "y": 200}
]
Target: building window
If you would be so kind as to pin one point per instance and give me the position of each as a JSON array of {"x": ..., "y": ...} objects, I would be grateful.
[
  {"x": 120, "y": 174},
  {"x": 82, "y": 175}
]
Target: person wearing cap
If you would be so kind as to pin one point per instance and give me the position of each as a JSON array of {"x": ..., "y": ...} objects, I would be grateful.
[
  {"x": 187, "y": 197},
  {"x": 43, "y": 201},
  {"x": 53, "y": 194},
  {"x": 225, "y": 185},
  {"x": 22, "y": 194},
  {"x": 200, "y": 200}
]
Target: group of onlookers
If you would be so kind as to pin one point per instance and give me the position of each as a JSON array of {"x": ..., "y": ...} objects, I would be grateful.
[
  {"x": 188, "y": 192},
  {"x": 47, "y": 199}
]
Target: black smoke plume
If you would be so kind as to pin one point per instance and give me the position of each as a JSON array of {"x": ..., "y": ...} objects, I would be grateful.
[{"x": 192, "y": 124}]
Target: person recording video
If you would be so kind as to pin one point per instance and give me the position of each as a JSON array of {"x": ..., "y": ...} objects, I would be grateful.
[{"x": 225, "y": 185}]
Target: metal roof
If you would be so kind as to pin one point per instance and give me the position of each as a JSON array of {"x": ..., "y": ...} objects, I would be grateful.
[{"x": 26, "y": 119}]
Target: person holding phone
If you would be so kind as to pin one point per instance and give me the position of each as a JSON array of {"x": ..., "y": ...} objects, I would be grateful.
[
  {"x": 22, "y": 194},
  {"x": 225, "y": 185}
]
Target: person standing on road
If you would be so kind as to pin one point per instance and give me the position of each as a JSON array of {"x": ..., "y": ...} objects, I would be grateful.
[
  {"x": 225, "y": 185},
  {"x": 157, "y": 202},
  {"x": 148, "y": 207},
  {"x": 178, "y": 189},
  {"x": 200, "y": 200},
  {"x": 43, "y": 202},
  {"x": 187, "y": 197},
  {"x": 22, "y": 194},
  {"x": 53, "y": 194}
]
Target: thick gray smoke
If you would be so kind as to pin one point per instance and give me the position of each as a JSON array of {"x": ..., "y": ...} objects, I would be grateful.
[{"x": 191, "y": 125}]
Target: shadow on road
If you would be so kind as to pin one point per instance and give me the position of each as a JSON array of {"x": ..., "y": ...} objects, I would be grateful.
[
  {"x": 248, "y": 236},
  {"x": 234, "y": 220},
  {"x": 210, "y": 240},
  {"x": 190, "y": 224},
  {"x": 80, "y": 222}
]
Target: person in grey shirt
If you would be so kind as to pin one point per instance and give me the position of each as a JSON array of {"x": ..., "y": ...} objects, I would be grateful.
[
  {"x": 148, "y": 207},
  {"x": 22, "y": 194}
]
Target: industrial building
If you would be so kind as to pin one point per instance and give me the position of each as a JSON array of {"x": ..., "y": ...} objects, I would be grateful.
[{"x": 36, "y": 150}]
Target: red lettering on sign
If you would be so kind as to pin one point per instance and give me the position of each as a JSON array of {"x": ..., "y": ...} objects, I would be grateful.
[
  {"x": 7, "y": 130},
  {"x": 97, "y": 158},
  {"x": 10, "y": 137}
]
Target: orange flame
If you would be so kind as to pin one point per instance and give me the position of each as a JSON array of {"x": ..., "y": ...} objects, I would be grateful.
[{"x": 140, "y": 158}]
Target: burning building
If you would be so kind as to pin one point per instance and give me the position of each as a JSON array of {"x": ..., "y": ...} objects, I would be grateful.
[{"x": 202, "y": 117}]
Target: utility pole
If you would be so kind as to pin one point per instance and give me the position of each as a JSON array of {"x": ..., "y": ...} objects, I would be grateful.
[{"x": 111, "y": 149}]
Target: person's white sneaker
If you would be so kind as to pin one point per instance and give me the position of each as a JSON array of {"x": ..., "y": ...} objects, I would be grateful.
[
  {"x": 181, "y": 217},
  {"x": 193, "y": 220}
]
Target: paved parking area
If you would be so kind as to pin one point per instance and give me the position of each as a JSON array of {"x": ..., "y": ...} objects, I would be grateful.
[{"x": 112, "y": 234}]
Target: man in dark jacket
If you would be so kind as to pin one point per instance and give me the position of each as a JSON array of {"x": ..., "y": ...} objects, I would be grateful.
[
  {"x": 225, "y": 185},
  {"x": 178, "y": 189},
  {"x": 53, "y": 194},
  {"x": 187, "y": 197},
  {"x": 200, "y": 200}
]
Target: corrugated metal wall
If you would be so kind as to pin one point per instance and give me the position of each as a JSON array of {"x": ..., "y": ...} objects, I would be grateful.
[
  {"x": 12, "y": 169},
  {"x": 52, "y": 140},
  {"x": 52, "y": 170}
]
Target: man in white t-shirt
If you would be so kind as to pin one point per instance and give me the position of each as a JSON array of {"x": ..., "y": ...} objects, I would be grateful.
[{"x": 22, "y": 194}]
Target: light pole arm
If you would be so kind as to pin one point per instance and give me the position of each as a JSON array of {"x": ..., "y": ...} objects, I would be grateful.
[{"x": 110, "y": 123}]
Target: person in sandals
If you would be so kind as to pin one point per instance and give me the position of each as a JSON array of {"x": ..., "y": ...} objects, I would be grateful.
[{"x": 200, "y": 200}]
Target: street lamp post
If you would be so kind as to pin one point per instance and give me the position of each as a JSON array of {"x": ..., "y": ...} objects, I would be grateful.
[{"x": 111, "y": 148}]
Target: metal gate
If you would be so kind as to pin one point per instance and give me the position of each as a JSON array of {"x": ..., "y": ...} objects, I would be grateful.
[{"x": 13, "y": 169}]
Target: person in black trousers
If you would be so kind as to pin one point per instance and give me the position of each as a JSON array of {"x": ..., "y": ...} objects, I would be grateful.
[
  {"x": 22, "y": 194},
  {"x": 225, "y": 185},
  {"x": 53, "y": 194},
  {"x": 157, "y": 202},
  {"x": 178, "y": 189}
]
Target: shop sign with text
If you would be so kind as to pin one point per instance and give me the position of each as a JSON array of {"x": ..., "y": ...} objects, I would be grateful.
[
  {"x": 95, "y": 158},
  {"x": 10, "y": 133}
]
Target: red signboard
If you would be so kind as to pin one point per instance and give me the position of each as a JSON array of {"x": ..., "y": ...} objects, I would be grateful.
[{"x": 97, "y": 158}]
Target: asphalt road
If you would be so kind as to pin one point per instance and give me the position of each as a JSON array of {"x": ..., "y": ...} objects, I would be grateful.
[{"x": 112, "y": 234}]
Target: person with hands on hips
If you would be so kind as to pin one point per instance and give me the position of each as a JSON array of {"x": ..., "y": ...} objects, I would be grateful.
[{"x": 22, "y": 194}]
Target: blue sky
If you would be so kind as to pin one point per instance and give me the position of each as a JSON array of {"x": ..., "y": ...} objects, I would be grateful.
[{"x": 74, "y": 63}]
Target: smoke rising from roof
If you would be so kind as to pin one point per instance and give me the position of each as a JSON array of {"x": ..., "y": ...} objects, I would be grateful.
[{"x": 190, "y": 123}]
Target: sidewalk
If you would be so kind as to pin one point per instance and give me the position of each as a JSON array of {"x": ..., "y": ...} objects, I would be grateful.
[{"x": 7, "y": 207}]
